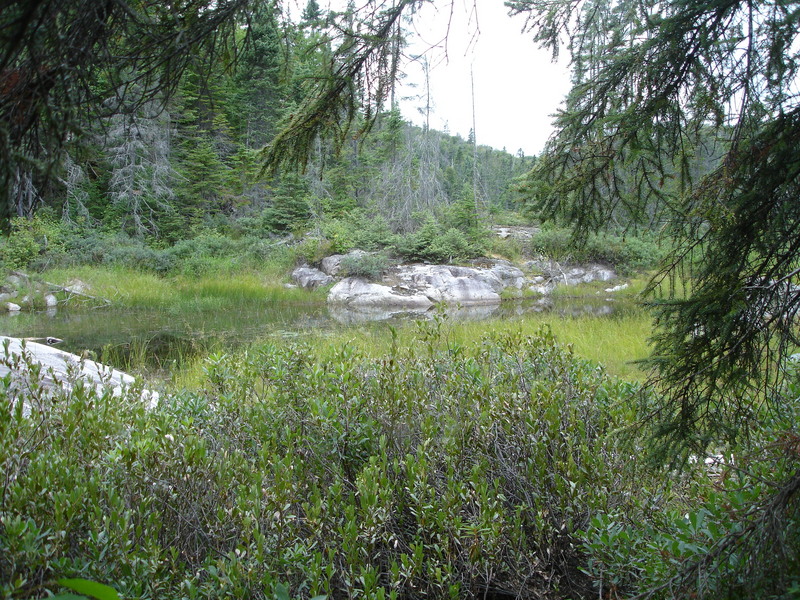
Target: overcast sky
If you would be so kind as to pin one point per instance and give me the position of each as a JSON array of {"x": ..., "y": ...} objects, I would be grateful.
[{"x": 517, "y": 86}]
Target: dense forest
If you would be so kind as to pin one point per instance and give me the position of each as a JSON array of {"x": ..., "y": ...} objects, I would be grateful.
[
  {"x": 193, "y": 138},
  {"x": 157, "y": 169}
]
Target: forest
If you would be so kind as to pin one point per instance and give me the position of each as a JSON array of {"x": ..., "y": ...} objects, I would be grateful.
[{"x": 195, "y": 152}]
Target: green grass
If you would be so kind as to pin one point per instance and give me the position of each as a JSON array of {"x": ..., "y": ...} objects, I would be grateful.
[
  {"x": 134, "y": 289},
  {"x": 615, "y": 342}
]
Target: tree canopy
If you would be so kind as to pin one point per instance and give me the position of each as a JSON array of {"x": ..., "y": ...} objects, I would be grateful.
[{"x": 685, "y": 114}]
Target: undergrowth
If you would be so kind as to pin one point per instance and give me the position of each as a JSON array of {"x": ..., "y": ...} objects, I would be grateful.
[{"x": 501, "y": 468}]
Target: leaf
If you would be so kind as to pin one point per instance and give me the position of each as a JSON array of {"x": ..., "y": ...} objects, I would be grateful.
[
  {"x": 281, "y": 592},
  {"x": 90, "y": 588}
]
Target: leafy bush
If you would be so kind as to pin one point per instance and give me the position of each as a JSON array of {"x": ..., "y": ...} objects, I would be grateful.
[
  {"x": 30, "y": 240},
  {"x": 628, "y": 253},
  {"x": 369, "y": 265},
  {"x": 430, "y": 243},
  {"x": 436, "y": 471},
  {"x": 357, "y": 230}
]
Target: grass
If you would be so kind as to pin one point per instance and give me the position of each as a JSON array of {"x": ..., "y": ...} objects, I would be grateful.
[
  {"x": 135, "y": 289},
  {"x": 613, "y": 342}
]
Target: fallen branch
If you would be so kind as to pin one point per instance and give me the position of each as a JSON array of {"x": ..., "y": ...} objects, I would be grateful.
[{"x": 61, "y": 288}]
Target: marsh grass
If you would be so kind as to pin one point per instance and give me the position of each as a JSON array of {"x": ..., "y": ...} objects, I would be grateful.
[
  {"x": 134, "y": 289},
  {"x": 615, "y": 342}
]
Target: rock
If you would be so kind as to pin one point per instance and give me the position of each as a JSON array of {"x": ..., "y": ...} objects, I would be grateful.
[
  {"x": 356, "y": 292},
  {"x": 50, "y": 301},
  {"x": 421, "y": 286},
  {"x": 515, "y": 232},
  {"x": 76, "y": 286},
  {"x": 15, "y": 280},
  {"x": 331, "y": 265},
  {"x": 503, "y": 275},
  {"x": 308, "y": 277},
  {"x": 617, "y": 288},
  {"x": 59, "y": 370},
  {"x": 4, "y": 296},
  {"x": 450, "y": 284},
  {"x": 11, "y": 307}
]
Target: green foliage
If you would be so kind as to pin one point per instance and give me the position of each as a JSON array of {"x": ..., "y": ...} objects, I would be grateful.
[
  {"x": 290, "y": 474},
  {"x": 30, "y": 239},
  {"x": 369, "y": 265},
  {"x": 290, "y": 206},
  {"x": 357, "y": 230},
  {"x": 628, "y": 253},
  {"x": 432, "y": 243}
]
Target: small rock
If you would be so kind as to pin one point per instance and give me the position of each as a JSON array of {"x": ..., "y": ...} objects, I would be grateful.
[
  {"x": 11, "y": 307},
  {"x": 50, "y": 301},
  {"x": 76, "y": 286},
  {"x": 308, "y": 277},
  {"x": 617, "y": 288}
]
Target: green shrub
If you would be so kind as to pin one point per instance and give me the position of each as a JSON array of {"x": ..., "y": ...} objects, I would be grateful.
[
  {"x": 430, "y": 243},
  {"x": 436, "y": 471},
  {"x": 627, "y": 253},
  {"x": 31, "y": 241},
  {"x": 370, "y": 266}
]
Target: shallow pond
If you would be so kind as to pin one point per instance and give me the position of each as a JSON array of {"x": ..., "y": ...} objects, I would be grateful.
[{"x": 159, "y": 338}]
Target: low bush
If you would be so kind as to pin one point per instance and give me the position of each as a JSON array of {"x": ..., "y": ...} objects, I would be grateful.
[
  {"x": 627, "y": 253},
  {"x": 502, "y": 468},
  {"x": 437, "y": 471},
  {"x": 369, "y": 265}
]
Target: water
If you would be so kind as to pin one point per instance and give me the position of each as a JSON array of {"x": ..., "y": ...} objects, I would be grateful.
[{"x": 159, "y": 338}]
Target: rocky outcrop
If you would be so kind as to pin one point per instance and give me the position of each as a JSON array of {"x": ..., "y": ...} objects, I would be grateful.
[
  {"x": 356, "y": 292},
  {"x": 554, "y": 274},
  {"x": 59, "y": 369},
  {"x": 422, "y": 286},
  {"x": 310, "y": 278}
]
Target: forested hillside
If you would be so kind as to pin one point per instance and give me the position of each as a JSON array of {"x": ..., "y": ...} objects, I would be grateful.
[{"x": 163, "y": 169}]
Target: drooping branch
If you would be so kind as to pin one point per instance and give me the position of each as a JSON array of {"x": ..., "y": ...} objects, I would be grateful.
[{"x": 333, "y": 103}]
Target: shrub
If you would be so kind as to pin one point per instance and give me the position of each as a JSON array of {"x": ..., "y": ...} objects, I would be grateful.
[
  {"x": 31, "y": 240},
  {"x": 436, "y": 472},
  {"x": 369, "y": 266},
  {"x": 627, "y": 253},
  {"x": 430, "y": 243}
]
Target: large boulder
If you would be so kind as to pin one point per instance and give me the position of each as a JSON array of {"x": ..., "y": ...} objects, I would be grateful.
[
  {"x": 449, "y": 284},
  {"x": 356, "y": 292},
  {"x": 56, "y": 369},
  {"x": 331, "y": 265},
  {"x": 422, "y": 286},
  {"x": 310, "y": 278}
]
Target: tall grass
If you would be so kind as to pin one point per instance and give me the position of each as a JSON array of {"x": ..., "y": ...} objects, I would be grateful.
[
  {"x": 616, "y": 342},
  {"x": 130, "y": 288}
]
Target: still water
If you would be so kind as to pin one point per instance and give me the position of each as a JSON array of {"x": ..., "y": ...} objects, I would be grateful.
[{"x": 158, "y": 338}]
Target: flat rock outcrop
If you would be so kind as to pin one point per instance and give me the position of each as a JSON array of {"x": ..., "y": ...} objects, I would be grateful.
[
  {"x": 59, "y": 369},
  {"x": 421, "y": 286}
]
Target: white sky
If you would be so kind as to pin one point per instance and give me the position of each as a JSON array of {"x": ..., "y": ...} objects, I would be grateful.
[{"x": 517, "y": 86}]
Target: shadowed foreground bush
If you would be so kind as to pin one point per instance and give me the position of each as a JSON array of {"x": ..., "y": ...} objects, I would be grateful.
[{"x": 439, "y": 471}]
